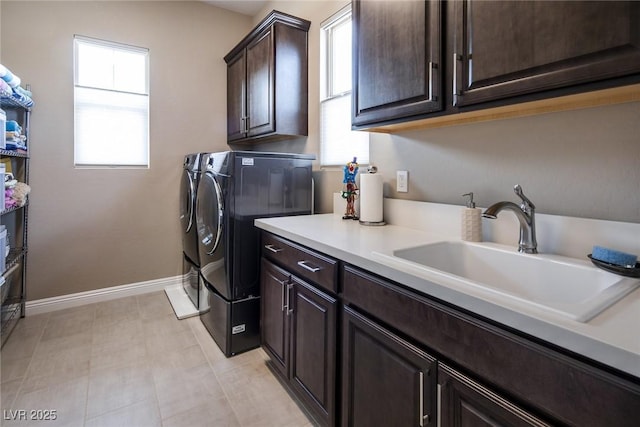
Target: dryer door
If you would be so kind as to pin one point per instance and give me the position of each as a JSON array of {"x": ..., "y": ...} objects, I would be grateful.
[
  {"x": 187, "y": 199},
  {"x": 210, "y": 223}
]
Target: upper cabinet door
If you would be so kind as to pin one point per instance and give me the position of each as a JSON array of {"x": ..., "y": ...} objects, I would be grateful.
[
  {"x": 509, "y": 48},
  {"x": 396, "y": 60},
  {"x": 260, "y": 81},
  {"x": 236, "y": 93}
]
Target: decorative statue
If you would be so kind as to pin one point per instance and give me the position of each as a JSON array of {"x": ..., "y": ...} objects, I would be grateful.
[{"x": 350, "y": 189}]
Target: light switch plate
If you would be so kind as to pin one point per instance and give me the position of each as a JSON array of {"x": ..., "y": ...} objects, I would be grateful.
[{"x": 402, "y": 181}]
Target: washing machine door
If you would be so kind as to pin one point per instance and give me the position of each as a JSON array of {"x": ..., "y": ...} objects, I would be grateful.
[
  {"x": 187, "y": 201},
  {"x": 210, "y": 223}
]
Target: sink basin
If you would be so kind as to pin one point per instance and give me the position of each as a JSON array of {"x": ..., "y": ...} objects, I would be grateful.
[{"x": 569, "y": 287}]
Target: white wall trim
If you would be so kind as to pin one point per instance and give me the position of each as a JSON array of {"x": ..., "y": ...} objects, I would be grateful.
[{"x": 61, "y": 302}]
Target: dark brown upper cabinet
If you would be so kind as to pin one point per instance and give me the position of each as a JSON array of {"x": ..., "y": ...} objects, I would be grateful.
[
  {"x": 267, "y": 81},
  {"x": 505, "y": 48},
  {"x": 396, "y": 60},
  {"x": 499, "y": 59}
]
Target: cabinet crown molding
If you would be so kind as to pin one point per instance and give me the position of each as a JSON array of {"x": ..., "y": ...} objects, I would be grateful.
[{"x": 275, "y": 17}]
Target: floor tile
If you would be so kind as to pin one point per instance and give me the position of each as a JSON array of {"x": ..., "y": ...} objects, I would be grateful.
[
  {"x": 141, "y": 414},
  {"x": 69, "y": 322},
  {"x": 216, "y": 412},
  {"x": 65, "y": 399},
  {"x": 117, "y": 310},
  {"x": 153, "y": 304},
  {"x": 50, "y": 369},
  {"x": 13, "y": 369},
  {"x": 22, "y": 343},
  {"x": 116, "y": 387},
  {"x": 68, "y": 342},
  {"x": 8, "y": 392}
]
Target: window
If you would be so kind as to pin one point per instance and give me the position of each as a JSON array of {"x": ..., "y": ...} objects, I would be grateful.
[
  {"x": 338, "y": 143},
  {"x": 111, "y": 104}
]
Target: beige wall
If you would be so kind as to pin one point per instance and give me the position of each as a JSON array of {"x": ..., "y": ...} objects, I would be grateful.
[
  {"x": 90, "y": 229},
  {"x": 94, "y": 229}
]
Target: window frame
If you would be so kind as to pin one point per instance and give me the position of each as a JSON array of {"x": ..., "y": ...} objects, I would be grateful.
[
  {"x": 79, "y": 39},
  {"x": 327, "y": 94}
]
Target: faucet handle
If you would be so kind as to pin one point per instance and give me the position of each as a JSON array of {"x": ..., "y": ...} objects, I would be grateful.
[{"x": 526, "y": 202}]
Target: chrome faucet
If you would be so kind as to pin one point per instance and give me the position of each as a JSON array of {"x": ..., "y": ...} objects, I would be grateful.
[{"x": 526, "y": 216}]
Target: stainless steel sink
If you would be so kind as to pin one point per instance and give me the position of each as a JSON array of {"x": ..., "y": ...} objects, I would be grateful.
[{"x": 563, "y": 285}]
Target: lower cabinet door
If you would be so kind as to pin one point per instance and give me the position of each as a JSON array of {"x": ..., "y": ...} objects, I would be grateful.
[
  {"x": 313, "y": 316},
  {"x": 463, "y": 402},
  {"x": 386, "y": 380},
  {"x": 273, "y": 318}
]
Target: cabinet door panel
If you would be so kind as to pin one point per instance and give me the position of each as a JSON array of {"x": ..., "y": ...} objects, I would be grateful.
[
  {"x": 537, "y": 46},
  {"x": 396, "y": 58},
  {"x": 236, "y": 90},
  {"x": 313, "y": 351},
  {"x": 463, "y": 402},
  {"x": 260, "y": 99},
  {"x": 274, "y": 328},
  {"x": 386, "y": 381}
]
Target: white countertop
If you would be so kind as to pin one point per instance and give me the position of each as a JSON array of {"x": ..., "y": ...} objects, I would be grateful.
[{"x": 611, "y": 338}]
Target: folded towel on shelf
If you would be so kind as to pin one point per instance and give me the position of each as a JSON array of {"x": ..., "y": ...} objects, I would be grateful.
[
  {"x": 27, "y": 101},
  {"x": 9, "y": 201},
  {"x": 23, "y": 91},
  {"x": 11, "y": 145},
  {"x": 9, "y": 77},
  {"x": 5, "y": 88},
  {"x": 12, "y": 134},
  {"x": 12, "y": 126}
]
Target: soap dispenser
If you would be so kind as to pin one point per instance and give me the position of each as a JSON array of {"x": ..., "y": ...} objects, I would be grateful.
[{"x": 471, "y": 221}]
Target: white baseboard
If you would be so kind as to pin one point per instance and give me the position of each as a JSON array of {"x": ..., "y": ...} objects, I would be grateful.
[{"x": 47, "y": 305}]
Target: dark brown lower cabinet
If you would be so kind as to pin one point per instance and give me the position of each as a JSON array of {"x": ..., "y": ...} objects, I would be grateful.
[
  {"x": 550, "y": 385},
  {"x": 274, "y": 326},
  {"x": 464, "y": 402},
  {"x": 299, "y": 334},
  {"x": 386, "y": 380}
]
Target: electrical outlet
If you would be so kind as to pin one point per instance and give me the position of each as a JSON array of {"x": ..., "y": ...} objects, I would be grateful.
[{"x": 402, "y": 181}]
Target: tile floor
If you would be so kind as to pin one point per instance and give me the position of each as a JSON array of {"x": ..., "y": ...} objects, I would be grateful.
[{"x": 131, "y": 362}]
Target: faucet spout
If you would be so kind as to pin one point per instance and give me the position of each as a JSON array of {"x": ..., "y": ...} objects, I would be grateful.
[{"x": 526, "y": 217}]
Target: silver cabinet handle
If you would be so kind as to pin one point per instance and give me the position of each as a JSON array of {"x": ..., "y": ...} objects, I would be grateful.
[
  {"x": 242, "y": 125},
  {"x": 456, "y": 91},
  {"x": 282, "y": 288},
  {"x": 289, "y": 288},
  {"x": 421, "y": 400},
  {"x": 439, "y": 405},
  {"x": 273, "y": 249},
  {"x": 304, "y": 265},
  {"x": 432, "y": 65},
  {"x": 422, "y": 416}
]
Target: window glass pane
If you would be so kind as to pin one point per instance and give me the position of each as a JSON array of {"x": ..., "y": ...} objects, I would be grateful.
[
  {"x": 129, "y": 72},
  {"x": 111, "y": 128},
  {"x": 341, "y": 58},
  {"x": 339, "y": 144},
  {"x": 94, "y": 66}
]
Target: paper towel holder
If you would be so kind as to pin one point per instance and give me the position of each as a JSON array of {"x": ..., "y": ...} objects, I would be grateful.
[{"x": 371, "y": 169}]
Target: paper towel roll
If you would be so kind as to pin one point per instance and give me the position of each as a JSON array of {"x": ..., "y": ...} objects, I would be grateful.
[{"x": 371, "y": 197}]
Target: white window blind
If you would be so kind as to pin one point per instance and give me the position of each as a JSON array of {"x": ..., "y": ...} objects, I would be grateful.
[
  {"x": 338, "y": 143},
  {"x": 111, "y": 104}
]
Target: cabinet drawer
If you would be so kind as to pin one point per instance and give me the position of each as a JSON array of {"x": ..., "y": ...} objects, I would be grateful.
[
  {"x": 531, "y": 373},
  {"x": 303, "y": 262}
]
